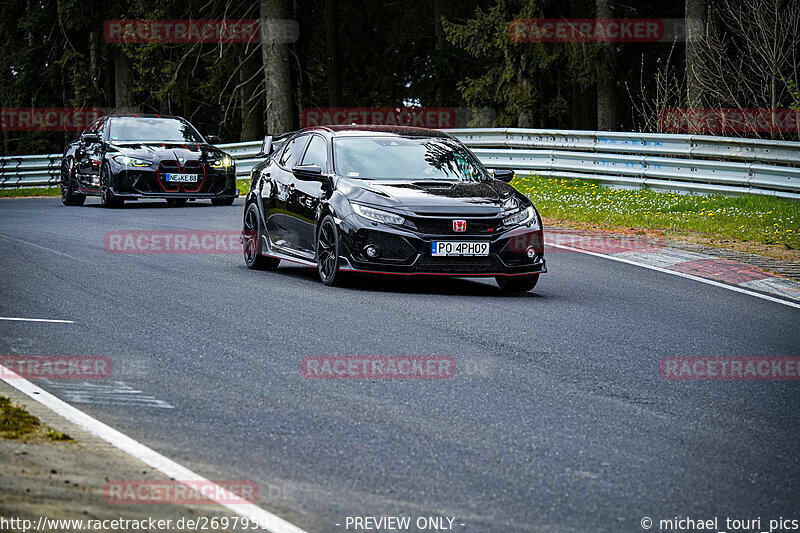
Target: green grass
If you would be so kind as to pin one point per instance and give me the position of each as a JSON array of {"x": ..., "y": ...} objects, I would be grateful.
[
  {"x": 17, "y": 423},
  {"x": 30, "y": 191},
  {"x": 747, "y": 218}
]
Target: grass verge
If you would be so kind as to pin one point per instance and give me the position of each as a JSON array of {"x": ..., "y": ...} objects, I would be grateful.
[
  {"x": 30, "y": 191},
  {"x": 17, "y": 424},
  {"x": 770, "y": 223}
]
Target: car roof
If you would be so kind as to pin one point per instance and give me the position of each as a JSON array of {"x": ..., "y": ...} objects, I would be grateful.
[
  {"x": 144, "y": 115},
  {"x": 360, "y": 129}
]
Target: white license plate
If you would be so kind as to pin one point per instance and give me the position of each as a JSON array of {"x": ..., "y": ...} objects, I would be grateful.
[
  {"x": 463, "y": 248},
  {"x": 183, "y": 178}
]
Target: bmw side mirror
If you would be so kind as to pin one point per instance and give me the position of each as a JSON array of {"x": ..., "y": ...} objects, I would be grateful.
[
  {"x": 504, "y": 175},
  {"x": 266, "y": 147},
  {"x": 90, "y": 138},
  {"x": 213, "y": 139},
  {"x": 308, "y": 173}
]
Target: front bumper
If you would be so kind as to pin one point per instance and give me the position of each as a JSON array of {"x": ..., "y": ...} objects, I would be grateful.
[
  {"x": 408, "y": 252},
  {"x": 151, "y": 183}
]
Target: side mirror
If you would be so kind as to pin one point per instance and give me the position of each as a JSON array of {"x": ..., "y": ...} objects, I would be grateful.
[
  {"x": 266, "y": 147},
  {"x": 504, "y": 175},
  {"x": 213, "y": 139},
  {"x": 90, "y": 138},
  {"x": 308, "y": 173}
]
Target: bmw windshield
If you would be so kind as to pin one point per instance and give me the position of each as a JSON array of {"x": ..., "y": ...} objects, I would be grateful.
[
  {"x": 405, "y": 158},
  {"x": 152, "y": 130}
]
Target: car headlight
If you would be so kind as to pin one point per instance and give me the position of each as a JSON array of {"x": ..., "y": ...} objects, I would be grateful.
[
  {"x": 131, "y": 162},
  {"x": 223, "y": 162},
  {"x": 378, "y": 215},
  {"x": 520, "y": 217}
]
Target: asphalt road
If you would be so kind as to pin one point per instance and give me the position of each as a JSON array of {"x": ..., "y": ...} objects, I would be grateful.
[{"x": 557, "y": 419}]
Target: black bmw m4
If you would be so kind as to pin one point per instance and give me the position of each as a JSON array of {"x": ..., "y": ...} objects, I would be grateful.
[
  {"x": 146, "y": 156},
  {"x": 388, "y": 200}
]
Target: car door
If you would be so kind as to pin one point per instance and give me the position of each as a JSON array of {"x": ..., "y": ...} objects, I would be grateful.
[
  {"x": 304, "y": 196},
  {"x": 90, "y": 156},
  {"x": 276, "y": 199}
]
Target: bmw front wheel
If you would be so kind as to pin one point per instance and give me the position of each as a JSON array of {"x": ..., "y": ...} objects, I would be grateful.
[
  {"x": 107, "y": 197},
  {"x": 68, "y": 194}
]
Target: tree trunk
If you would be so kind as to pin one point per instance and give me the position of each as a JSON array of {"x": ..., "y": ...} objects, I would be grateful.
[
  {"x": 251, "y": 101},
  {"x": 122, "y": 81},
  {"x": 606, "y": 82},
  {"x": 439, "y": 10},
  {"x": 275, "y": 55},
  {"x": 334, "y": 57},
  {"x": 583, "y": 114},
  {"x": 525, "y": 119},
  {"x": 94, "y": 62},
  {"x": 695, "y": 15}
]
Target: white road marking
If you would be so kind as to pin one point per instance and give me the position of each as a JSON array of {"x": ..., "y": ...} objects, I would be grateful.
[
  {"x": 45, "y": 248},
  {"x": 113, "y": 393},
  {"x": 51, "y": 320},
  {"x": 166, "y": 466},
  {"x": 683, "y": 275}
]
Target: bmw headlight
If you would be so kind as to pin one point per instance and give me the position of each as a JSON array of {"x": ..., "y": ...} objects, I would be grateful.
[
  {"x": 131, "y": 162},
  {"x": 520, "y": 217},
  {"x": 223, "y": 162},
  {"x": 378, "y": 215}
]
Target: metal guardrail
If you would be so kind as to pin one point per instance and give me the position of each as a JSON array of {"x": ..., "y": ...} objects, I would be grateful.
[{"x": 693, "y": 163}]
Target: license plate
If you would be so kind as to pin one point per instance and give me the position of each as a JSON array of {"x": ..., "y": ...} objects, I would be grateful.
[
  {"x": 463, "y": 248},
  {"x": 183, "y": 178}
]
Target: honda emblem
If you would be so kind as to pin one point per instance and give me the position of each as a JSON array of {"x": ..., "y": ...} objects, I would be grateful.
[{"x": 460, "y": 226}]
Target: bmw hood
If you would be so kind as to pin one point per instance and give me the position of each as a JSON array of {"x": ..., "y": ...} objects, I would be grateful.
[
  {"x": 156, "y": 151},
  {"x": 430, "y": 197}
]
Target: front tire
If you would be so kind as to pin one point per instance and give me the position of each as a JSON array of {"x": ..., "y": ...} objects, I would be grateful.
[
  {"x": 68, "y": 194},
  {"x": 251, "y": 242},
  {"x": 222, "y": 201},
  {"x": 328, "y": 249},
  {"x": 515, "y": 284},
  {"x": 107, "y": 198}
]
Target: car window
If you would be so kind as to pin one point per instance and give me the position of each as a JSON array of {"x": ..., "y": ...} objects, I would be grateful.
[
  {"x": 317, "y": 153},
  {"x": 101, "y": 126},
  {"x": 409, "y": 158},
  {"x": 291, "y": 154},
  {"x": 94, "y": 126},
  {"x": 153, "y": 130}
]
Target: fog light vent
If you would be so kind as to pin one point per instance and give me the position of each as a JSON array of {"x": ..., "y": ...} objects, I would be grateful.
[{"x": 372, "y": 251}]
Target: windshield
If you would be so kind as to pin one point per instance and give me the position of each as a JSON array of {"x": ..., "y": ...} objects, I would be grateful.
[
  {"x": 405, "y": 158},
  {"x": 152, "y": 129}
]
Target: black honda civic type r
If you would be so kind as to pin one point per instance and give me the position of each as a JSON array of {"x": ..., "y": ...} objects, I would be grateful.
[
  {"x": 122, "y": 158},
  {"x": 388, "y": 200}
]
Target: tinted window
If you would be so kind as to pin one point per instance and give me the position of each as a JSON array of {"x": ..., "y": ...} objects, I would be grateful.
[
  {"x": 94, "y": 126},
  {"x": 317, "y": 153},
  {"x": 152, "y": 129},
  {"x": 101, "y": 127},
  {"x": 294, "y": 149},
  {"x": 411, "y": 158}
]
